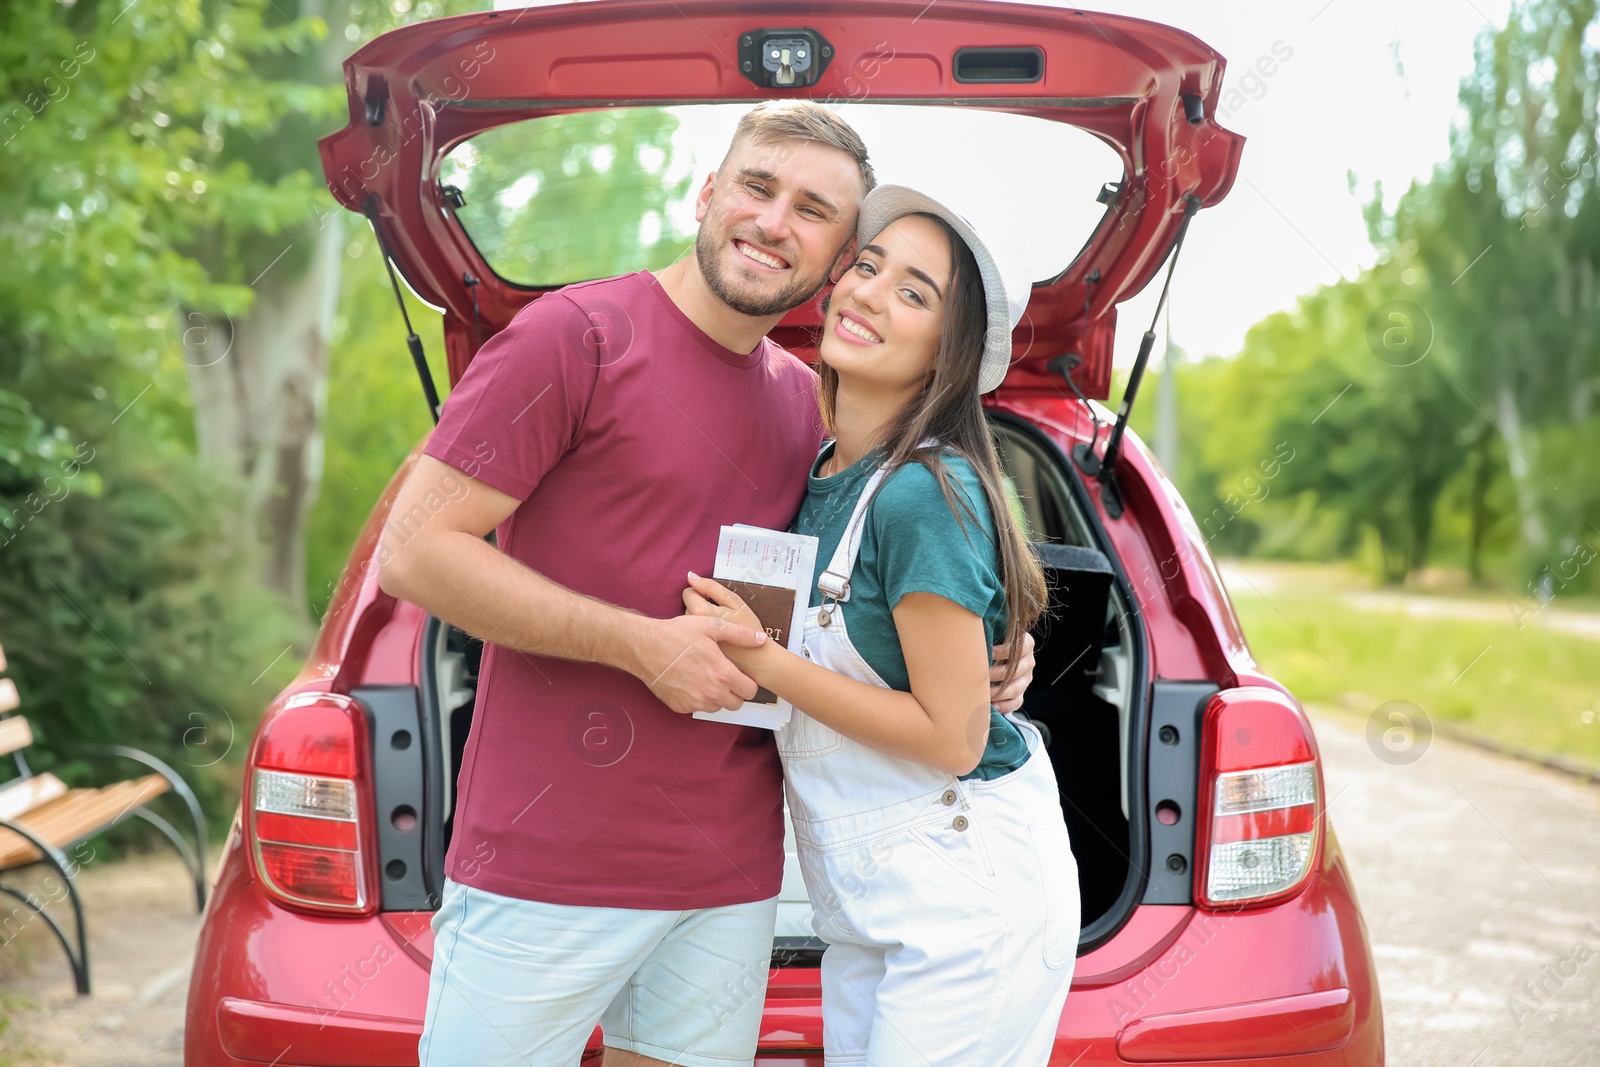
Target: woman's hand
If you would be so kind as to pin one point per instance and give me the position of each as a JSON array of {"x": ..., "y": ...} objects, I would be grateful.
[{"x": 711, "y": 599}]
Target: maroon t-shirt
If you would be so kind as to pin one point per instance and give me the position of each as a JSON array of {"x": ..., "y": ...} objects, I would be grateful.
[{"x": 630, "y": 437}]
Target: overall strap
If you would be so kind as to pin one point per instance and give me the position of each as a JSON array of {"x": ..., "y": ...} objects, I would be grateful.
[{"x": 834, "y": 581}]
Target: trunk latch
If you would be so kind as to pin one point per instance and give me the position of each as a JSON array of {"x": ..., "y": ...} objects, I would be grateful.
[{"x": 783, "y": 59}]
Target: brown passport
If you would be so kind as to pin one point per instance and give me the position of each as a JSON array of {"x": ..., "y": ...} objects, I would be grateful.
[{"x": 774, "y": 606}]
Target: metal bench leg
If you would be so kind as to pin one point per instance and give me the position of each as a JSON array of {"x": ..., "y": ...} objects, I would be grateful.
[
  {"x": 80, "y": 973},
  {"x": 57, "y": 859},
  {"x": 190, "y": 860},
  {"x": 181, "y": 788}
]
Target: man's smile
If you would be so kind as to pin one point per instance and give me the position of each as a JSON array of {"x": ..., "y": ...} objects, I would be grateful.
[{"x": 766, "y": 259}]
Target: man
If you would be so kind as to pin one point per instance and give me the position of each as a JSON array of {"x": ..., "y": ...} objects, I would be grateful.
[{"x": 612, "y": 860}]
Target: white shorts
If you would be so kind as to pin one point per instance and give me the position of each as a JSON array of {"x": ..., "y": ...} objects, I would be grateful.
[{"x": 520, "y": 981}]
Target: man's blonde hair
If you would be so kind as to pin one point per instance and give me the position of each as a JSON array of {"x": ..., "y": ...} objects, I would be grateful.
[{"x": 802, "y": 120}]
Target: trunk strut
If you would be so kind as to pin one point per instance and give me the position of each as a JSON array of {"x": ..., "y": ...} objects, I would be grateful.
[
  {"x": 413, "y": 342},
  {"x": 1103, "y": 469}
]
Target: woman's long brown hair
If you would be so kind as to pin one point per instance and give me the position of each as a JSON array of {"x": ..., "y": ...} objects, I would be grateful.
[{"x": 948, "y": 409}]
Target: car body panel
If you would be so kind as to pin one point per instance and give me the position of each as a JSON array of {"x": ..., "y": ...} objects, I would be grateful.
[{"x": 434, "y": 84}]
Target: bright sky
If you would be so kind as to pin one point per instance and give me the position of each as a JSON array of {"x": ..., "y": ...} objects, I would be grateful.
[
  {"x": 1368, "y": 86},
  {"x": 1371, "y": 88}
]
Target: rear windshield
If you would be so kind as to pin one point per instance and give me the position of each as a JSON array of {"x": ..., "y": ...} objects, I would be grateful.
[{"x": 567, "y": 198}]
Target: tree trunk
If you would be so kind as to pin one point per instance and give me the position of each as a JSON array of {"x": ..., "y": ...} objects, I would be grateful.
[
  {"x": 1393, "y": 551},
  {"x": 1586, "y": 309},
  {"x": 1479, "y": 508},
  {"x": 1422, "y": 508},
  {"x": 1166, "y": 435},
  {"x": 1533, "y": 534},
  {"x": 259, "y": 387}
]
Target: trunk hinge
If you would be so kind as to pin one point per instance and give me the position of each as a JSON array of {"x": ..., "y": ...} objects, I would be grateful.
[
  {"x": 1068, "y": 363},
  {"x": 413, "y": 342},
  {"x": 1104, "y": 469}
]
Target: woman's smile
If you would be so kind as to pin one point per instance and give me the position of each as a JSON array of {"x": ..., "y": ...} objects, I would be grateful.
[{"x": 855, "y": 329}]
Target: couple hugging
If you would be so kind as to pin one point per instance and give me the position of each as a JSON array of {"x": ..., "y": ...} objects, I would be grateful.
[{"x": 635, "y": 883}]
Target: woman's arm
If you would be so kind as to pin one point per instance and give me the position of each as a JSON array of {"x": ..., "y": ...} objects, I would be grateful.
[{"x": 942, "y": 723}]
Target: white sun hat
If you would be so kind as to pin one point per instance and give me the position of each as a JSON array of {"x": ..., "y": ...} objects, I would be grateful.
[{"x": 1006, "y": 285}]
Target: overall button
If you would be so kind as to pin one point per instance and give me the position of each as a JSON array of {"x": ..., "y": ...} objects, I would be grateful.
[
  {"x": 960, "y": 823},
  {"x": 949, "y": 797}
]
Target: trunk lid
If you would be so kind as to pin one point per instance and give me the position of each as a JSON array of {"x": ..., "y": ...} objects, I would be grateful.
[{"x": 1145, "y": 91}]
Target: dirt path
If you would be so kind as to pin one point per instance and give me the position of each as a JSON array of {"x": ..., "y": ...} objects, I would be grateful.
[{"x": 142, "y": 929}]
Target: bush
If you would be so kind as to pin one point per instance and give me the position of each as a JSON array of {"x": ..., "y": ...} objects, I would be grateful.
[{"x": 130, "y": 612}]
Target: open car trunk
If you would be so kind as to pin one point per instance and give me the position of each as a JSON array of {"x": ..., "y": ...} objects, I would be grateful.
[
  {"x": 482, "y": 147},
  {"x": 1084, "y": 700}
]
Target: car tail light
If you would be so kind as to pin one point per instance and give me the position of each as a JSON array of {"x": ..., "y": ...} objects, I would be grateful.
[
  {"x": 309, "y": 829},
  {"x": 1261, "y": 818}
]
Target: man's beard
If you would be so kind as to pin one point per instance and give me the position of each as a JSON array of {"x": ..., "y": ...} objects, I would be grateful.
[{"x": 790, "y": 297}]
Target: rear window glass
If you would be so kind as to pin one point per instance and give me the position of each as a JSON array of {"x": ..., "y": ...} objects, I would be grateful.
[{"x": 567, "y": 198}]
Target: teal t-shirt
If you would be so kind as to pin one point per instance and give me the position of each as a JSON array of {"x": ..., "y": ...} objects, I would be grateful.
[{"x": 913, "y": 543}]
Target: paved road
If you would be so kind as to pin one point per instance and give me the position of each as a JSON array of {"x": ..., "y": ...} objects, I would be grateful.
[{"x": 1479, "y": 878}]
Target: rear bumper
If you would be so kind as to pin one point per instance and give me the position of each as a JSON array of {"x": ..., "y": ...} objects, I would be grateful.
[
  {"x": 1322, "y": 1021},
  {"x": 254, "y": 1032},
  {"x": 1290, "y": 984},
  {"x": 274, "y": 986},
  {"x": 1286, "y": 986}
]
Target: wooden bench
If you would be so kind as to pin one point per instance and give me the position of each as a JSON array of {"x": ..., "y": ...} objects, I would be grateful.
[{"x": 41, "y": 819}]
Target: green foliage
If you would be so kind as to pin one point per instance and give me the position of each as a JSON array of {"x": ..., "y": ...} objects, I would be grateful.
[
  {"x": 1509, "y": 232},
  {"x": 1376, "y": 425},
  {"x": 571, "y": 197},
  {"x": 130, "y": 614},
  {"x": 129, "y": 606},
  {"x": 376, "y": 413}
]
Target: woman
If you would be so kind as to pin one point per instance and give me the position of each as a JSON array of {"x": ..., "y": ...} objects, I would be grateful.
[{"x": 927, "y": 825}]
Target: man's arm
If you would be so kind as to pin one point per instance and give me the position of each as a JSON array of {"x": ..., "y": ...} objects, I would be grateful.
[
  {"x": 445, "y": 566},
  {"x": 1010, "y": 698}
]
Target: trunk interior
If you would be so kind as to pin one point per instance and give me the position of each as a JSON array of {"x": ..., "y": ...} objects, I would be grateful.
[{"x": 1082, "y": 699}]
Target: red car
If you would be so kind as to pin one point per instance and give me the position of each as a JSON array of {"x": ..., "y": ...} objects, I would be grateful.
[{"x": 501, "y": 155}]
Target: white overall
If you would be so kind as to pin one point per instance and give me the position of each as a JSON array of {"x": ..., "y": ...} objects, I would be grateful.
[{"x": 950, "y": 907}]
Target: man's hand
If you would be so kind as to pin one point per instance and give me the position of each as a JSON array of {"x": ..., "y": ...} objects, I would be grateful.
[
  {"x": 1010, "y": 698},
  {"x": 681, "y": 661}
]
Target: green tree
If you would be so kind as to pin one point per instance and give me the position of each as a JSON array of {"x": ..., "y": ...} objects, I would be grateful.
[
  {"x": 130, "y": 604},
  {"x": 1484, "y": 446},
  {"x": 1508, "y": 229},
  {"x": 571, "y": 197},
  {"x": 380, "y": 414},
  {"x": 1376, "y": 427}
]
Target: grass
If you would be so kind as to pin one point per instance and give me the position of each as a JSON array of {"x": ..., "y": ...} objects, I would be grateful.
[
  {"x": 15, "y": 1049},
  {"x": 1529, "y": 687}
]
